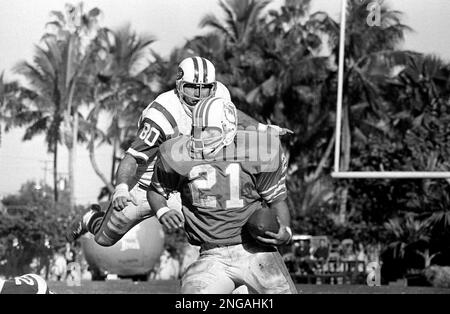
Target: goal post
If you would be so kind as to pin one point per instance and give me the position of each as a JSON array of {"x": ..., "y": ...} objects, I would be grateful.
[{"x": 337, "y": 173}]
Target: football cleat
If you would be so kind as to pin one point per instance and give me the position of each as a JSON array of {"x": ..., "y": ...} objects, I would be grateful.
[
  {"x": 25, "y": 284},
  {"x": 80, "y": 226}
]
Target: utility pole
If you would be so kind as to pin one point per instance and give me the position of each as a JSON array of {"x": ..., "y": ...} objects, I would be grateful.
[{"x": 46, "y": 168}]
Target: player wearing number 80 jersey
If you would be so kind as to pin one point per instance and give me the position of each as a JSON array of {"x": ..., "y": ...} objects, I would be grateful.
[{"x": 223, "y": 176}]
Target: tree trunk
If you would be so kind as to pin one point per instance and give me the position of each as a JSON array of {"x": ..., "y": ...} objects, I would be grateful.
[
  {"x": 72, "y": 160},
  {"x": 94, "y": 164},
  {"x": 97, "y": 169},
  {"x": 55, "y": 171},
  {"x": 311, "y": 179}
]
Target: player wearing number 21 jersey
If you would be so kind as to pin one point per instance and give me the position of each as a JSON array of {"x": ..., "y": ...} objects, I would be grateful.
[
  {"x": 223, "y": 176},
  {"x": 219, "y": 195}
]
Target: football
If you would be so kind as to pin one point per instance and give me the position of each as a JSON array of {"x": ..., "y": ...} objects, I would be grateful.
[{"x": 262, "y": 220}]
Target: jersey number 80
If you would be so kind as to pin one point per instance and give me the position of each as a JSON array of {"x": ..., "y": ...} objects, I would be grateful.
[{"x": 149, "y": 134}]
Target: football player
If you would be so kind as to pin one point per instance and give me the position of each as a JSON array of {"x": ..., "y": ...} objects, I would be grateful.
[
  {"x": 168, "y": 116},
  {"x": 224, "y": 175},
  {"x": 25, "y": 284}
]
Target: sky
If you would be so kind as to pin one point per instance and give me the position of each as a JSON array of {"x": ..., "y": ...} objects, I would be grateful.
[{"x": 171, "y": 22}]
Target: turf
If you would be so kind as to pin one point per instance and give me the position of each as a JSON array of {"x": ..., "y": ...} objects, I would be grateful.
[{"x": 172, "y": 287}]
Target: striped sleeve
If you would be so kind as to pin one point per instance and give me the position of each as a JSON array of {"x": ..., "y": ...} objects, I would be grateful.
[
  {"x": 156, "y": 125},
  {"x": 271, "y": 186}
]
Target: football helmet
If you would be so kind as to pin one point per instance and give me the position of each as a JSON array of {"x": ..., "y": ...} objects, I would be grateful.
[
  {"x": 196, "y": 80},
  {"x": 214, "y": 126},
  {"x": 25, "y": 284}
]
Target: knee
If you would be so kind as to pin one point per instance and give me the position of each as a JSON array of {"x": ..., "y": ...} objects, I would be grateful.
[{"x": 103, "y": 240}]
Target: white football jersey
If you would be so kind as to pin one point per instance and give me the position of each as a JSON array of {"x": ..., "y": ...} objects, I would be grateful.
[{"x": 163, "y": 119}]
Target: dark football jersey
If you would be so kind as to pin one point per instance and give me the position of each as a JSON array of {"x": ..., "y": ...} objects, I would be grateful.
[{"x": 220, "y": 195}]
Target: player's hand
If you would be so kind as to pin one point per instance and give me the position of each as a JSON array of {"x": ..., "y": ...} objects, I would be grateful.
[
  {"x": 172, "y": 220},
  {"x": 276, "y": 128},
  {"x": 121, "y": 197},
  {"x": 281, "y": 237},
  {"x": 280, "y": 130}
]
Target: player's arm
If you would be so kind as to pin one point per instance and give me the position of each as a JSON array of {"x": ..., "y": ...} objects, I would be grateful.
[
  {"x": 271, "y": 185},
  {"x": 151, "y": 133},
  {"x": 164, "y": 183},
  {"x": 245, "y": 121},
  {"x": 284, "y": 234},
  {"x": 125, "y": 178}
]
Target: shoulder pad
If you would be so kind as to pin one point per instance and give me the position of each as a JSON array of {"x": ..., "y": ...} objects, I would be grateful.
[
  {"x": 162, "y": 111},
  {"x": 175, "y": 156},
  {"x": 222, "y": 91}
]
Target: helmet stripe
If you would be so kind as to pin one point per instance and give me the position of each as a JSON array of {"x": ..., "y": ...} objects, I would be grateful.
[
  {"x": 205, "y": 117},
  {"x": 201, "y": 116},
  {"x": 200, "y": 108},
  {"x": 195, "y": 69},
  {"x": 205, "y": 70}
]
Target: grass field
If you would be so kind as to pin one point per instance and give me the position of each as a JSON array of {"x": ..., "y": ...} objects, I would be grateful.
[{"x": 172, "y": 287}]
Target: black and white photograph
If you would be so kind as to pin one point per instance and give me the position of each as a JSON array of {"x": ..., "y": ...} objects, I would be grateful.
[{"x": 209, "y": 150}]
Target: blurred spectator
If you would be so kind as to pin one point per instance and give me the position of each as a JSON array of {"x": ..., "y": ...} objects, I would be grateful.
[
  {"x": 303, "y": 255},
  {"x": 347, "y": 251},
  {"x": 70, "y": 254},
  {"x": 59, "y": 267},
  {"x": 361, "y": 253},
  {"x": 361, "y": 256},
  {"x": 321, "y": 254},
  {"x": 373, "y": 252}
]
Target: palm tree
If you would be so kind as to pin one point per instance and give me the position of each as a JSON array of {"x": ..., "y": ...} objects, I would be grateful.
[
  {"x": 57, "y": 77},
  {"x": 76, "y": 32},
  {"x": 162, "y": 72},
  {"x": 44, "y": 112},
  {"x": 8, "y": 104},
  {"x": 411, "y": 236},
  {"x": 241, "y": 16}
]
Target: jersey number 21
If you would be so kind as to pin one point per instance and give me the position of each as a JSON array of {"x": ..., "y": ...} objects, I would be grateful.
[{"x": 205, "y": 177}]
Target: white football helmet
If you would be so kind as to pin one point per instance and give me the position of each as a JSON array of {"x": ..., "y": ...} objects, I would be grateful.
[
  {"x": 196, "y": 80},
  {"x": 214, "y": 126}
]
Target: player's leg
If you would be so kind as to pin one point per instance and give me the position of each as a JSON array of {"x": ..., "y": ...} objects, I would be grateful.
[
  {"x": 110, "y": 226},
  {"x": 207, "y": 275},
  {"x": 264, "y": 271},
  {"x": 115, "y": 224},
  {"x": 25, "y": 284},
  {"x": 83, "y": 224}
]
